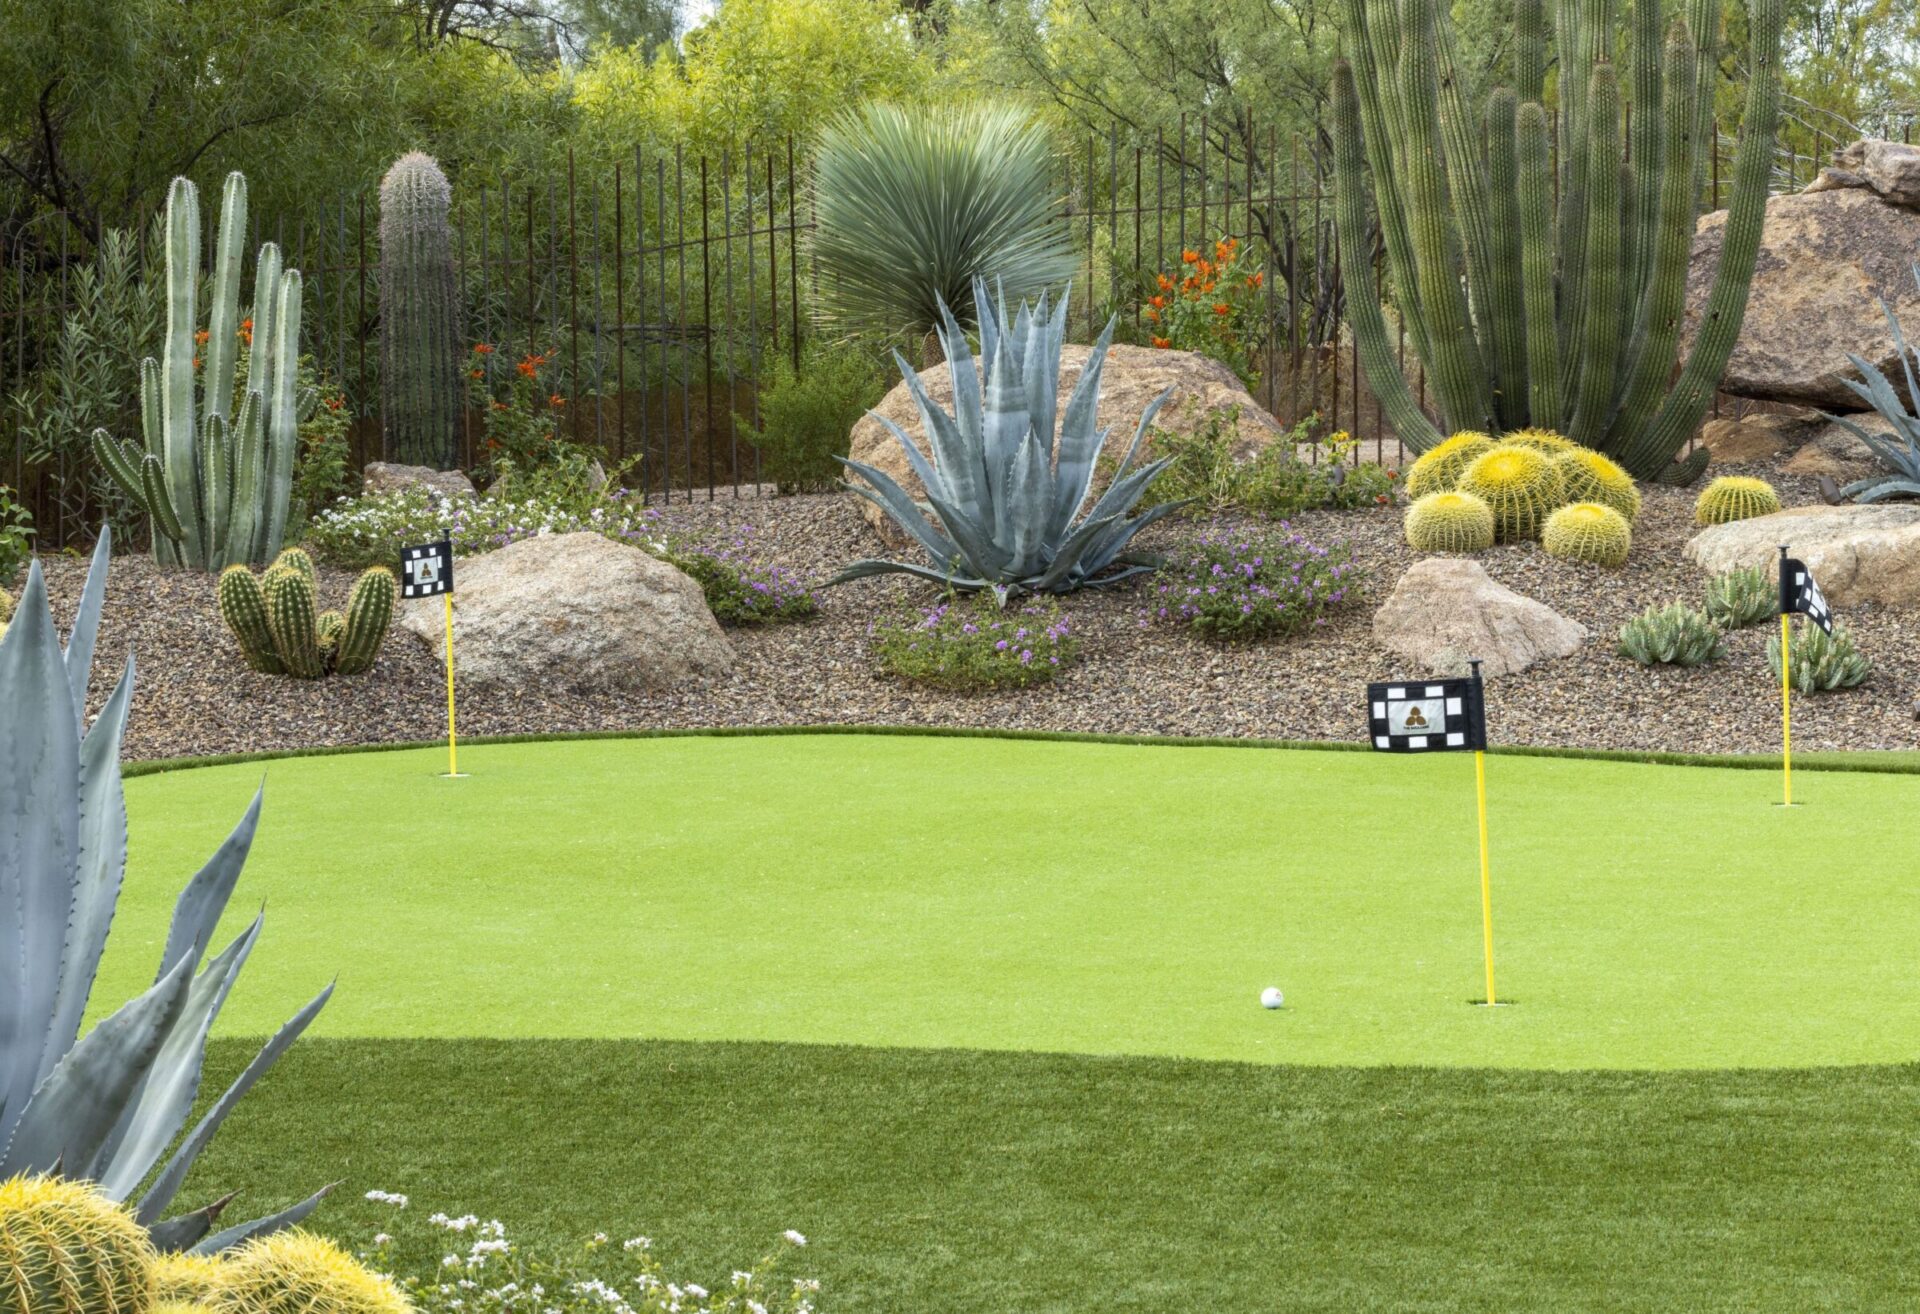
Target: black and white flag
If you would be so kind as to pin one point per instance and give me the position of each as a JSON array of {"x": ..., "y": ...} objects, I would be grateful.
[
  {"x": 1426, "y": 716},
  {"x": 426, "y": 571},
  {"x": 1799, "y": 593}
]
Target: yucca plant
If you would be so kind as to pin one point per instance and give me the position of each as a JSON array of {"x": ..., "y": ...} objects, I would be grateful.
[
  {"x": 1900, "y": 453},
  {"x": 914, "y": 205},
  {"x": 1002, "y": 493},
  {"x": 107, "y": 1106}
]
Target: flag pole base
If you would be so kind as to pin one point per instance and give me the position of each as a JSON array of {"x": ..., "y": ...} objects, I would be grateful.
[
  {"x": 1778, "y": 804},
  {"x": 452, "y": 775},
  {"x": 1498, "y": 1003}
]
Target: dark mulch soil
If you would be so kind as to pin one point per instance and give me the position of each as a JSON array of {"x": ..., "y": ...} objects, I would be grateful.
[{"x": 196, "y": 697}]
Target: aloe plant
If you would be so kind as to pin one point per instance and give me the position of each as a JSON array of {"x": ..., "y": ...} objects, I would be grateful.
[
  {"x": 107, "y": 1106},
  {"x": 1002, "y": 491},
  {"x": 1900, "y": 453}
]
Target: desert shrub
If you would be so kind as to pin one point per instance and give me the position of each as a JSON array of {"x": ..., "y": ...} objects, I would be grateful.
[
  {"x": 1821, "y": 661},
  {"x": 741, "y": 587},
  {"x": 1275, "y": 482},
  {"x": 476, "y": 1266},
  {"x": 371, "y": 530},
  {"x": 320, "y": 474},
  {"x": 1212, "y": 305},
  {"x": 1242, "y": 586},
  {"x": 16, "y": 531},
  {"x": 1671, "y": 636},
  {"x": 1741, "y": 597},
  {"x": 807, "y": 415},
  {"x": 971, "y": 644}
]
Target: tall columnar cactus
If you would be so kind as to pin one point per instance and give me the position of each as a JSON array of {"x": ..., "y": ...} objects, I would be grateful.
[
  {"x": 1523, "y": 310},
  {"x": 213, "y": 478},
  {"x": 423, "y": 391},
  {"x": 272, "y": 618}
]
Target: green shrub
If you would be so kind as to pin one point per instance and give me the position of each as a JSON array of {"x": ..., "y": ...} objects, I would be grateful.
[
  {"x": 1742, "y": 597},
  {"x": 807, "y": 415},
  {"x": 970, "y": 644},
  {"x": 742, "y": 589},
  {"x": 16, "y": 528},
  {"x": 1274, "y": 482},
  {"x": 320, "y": 474},
  {"x": 1237, "y": 586},
  {"x": 1671, "y": 636},
  {"x": 1821, "y": 662}
]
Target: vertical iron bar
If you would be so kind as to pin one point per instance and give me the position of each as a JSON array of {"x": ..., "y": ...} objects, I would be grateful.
[
  {"x": 706, "y": 317},
  {"x": 793, "y": 254}
]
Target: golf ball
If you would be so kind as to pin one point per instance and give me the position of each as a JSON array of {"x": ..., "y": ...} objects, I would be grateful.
[{"x": 1271, "y": 997}]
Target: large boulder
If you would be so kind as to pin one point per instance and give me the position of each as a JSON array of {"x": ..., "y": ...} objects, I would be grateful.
[
  {"x": 1889, "y": 168},
  {"x": 1857, "y": 553},
  {"x": 388, "y": 477},
  {"x": 1838, "y": 453},
  {"x": 1448, "y": 609},
  {"x": 1134, "y": 376},
  {"x": 575, "y": 611},
  {"x": 1825, "y": 259},
  {"x": 1756, "y": 437}
]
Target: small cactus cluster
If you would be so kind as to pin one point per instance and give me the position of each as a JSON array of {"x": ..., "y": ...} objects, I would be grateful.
[
  {"x": 1588, "y": 531},
  {"x": 1734, "y": 497},
  {"x": 1741, "y": 597},
  {"x": 66, "y": 1249},
  {"x": 1449, "y": 522},
  {"x": 1675, "y": 635},
  {"x": 1522, "y": 478},
  {"x": 273, "y": 619},
  {"x": 1820, "y": 661}
]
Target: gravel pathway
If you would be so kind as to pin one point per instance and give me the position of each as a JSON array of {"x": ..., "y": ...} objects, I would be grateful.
[{"x": 196, "y": 697}]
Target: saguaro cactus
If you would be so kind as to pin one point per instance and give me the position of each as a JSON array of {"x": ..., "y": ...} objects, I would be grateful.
[
  {"x": 421, "y": 345},
  {"x": 1523, "y": 312},
  {"x": 215, "y": 483}
]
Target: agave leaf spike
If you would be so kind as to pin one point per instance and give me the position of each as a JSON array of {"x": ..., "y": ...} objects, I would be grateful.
[
  {"x": 894, "y": 500},
  {"x": 923, "y": 469},
  {"x": 961, "y": 479},
  {"x": 241, "y": 1233},
  {"x": 868, "y": 567},
  {"x": 966, "y": 381},
  {"x": 1080, "y": 442},
  {"x": 1029, "y": 489},
  {"x": 86, "y": 624}
]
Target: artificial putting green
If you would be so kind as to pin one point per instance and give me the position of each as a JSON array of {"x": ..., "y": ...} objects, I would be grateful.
[{"x": 1102, "y": 899}]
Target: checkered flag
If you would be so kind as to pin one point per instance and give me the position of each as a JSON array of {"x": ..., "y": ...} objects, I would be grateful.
[
  {"x": 1799, "y": 593},
  {"x": 426, "y": 571},
  {"x": 1427, "y": 716}
]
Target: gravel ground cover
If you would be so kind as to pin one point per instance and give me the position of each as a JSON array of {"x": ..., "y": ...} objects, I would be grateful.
[{"x": 196, "y": 697}]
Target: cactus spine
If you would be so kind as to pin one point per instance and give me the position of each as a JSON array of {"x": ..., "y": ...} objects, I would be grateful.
[
  {"x": 67, "y": 1249},
  {"x": 421, "y": 343},
  {"x": 295, "y": 1272},
  {"x": 215, "y": 481},
  {"x": 1522, "y": 312},
  {"x": 272, "y": 618}
]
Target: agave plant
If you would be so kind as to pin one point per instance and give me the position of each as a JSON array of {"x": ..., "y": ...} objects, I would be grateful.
[
  {"x": 1003, "y": 493},
  {"x": 915, "y": 204},
  {"x": 106, "y": 1106},
  {"x": 1902, "y": 459}
]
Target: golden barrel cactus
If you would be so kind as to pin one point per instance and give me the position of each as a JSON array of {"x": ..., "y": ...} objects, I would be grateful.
[
  {"x": 1588, "y": 531},
  {"x": 67, "y": 1249},
  {"x": 187, "y": 1279},
  {"x": 1449, "y": 522},
  {"x": 1734, "y": 497},
  {"x": 1544, "y": 441},
  {"x": 1438, "y": 468},
  {"x": 1591, "y": 477},
  {"x": 1520, "y": 485},
  {"x": 296, "y": 1272}
]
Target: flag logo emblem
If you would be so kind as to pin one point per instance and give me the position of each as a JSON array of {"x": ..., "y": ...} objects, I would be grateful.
[
  {"x": 1426, "y": 716},
  {"x": 426, "y": 571}
]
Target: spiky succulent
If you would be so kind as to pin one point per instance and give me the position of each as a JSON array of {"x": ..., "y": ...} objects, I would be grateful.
[
  {"x": 1002, "y": 491},
  {"x": 1900, "y": 453},
  {"x": 110, "y": 1105},
  {"x": 1741, "y": 597},
  {"x": 1591, "y": 477},
  {"x": 1588, "y": 531},
  {"x": 1449, "y": 522},
  {"x": 1676, "y": 635},
  {"x": 273, "y": 620},
  {"x": 1821, "y": 661},
  {"x": 1734, "y": 497},
  {"x": 67, "y": 1249},
  {"x": 296, "y": 1272},
  {"x": 1438, "y": 468},
  {"x": 1521, "y": 486}
]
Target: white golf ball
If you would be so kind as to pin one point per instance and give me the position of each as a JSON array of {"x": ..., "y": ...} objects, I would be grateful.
[{"x": 1271, "y": 997}]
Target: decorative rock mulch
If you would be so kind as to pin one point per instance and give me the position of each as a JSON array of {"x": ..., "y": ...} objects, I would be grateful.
[{"x": 195, "y": 697}]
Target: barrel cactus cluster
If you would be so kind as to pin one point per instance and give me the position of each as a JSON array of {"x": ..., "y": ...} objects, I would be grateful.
[
  {"x": 1538, "y": 264},
  {"x": 213, "y": 478},
  {"x": 273, "y": 619},
  {"x": 422, "y": 344},
  {"x": 1734, "y": 497},
  {"x": 67, "y": 1248},
  {"x": 1473, "y": 490}
]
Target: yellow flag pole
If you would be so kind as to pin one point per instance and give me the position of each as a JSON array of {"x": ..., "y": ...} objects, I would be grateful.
[
  {"x": 453, "y": 739},
  {"x": 1486, "y": 881},
  {"x": 1786, "y": 707}
]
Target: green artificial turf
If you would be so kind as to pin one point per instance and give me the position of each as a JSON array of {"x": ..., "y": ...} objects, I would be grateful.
[
  {"x": 980, "y": 1183},
  {"x": 1035, "y": 896}
]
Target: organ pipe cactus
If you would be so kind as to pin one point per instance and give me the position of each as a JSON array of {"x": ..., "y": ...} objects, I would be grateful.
[
  {"x": 109, "y": 1106},
  {"x": 1524, "y": 310},
  {"x": 272, "y": 618},
  {"x": 215, "y": 478},
  {"x": 422, "y": 348},
  {"x": 1003, "y": 493}
]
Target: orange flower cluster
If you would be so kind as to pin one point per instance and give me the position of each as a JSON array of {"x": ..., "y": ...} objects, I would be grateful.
[
  {"x": 1205, "y": 305},
  {"x": 529, "y": 366}
]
